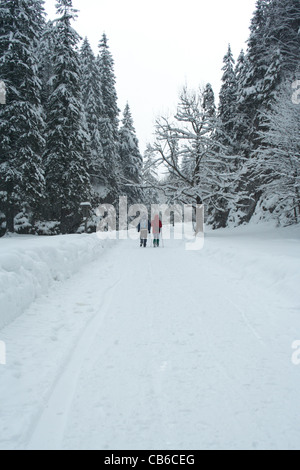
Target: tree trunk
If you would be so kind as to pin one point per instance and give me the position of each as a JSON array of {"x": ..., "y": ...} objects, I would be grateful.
[
  {"x": 297, "y": 202},
  {"x": 295, "y": 213},
  {"x": 199, "y": 200},
  {"x": 199, "y": 216},
  {"x": 252, "y": 207},
  {"x": 10, "y": 210}
]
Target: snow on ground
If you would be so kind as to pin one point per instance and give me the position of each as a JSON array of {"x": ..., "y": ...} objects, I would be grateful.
[
  {"x": 29, "y": 267},
  {"x": 160, "y": 349}
]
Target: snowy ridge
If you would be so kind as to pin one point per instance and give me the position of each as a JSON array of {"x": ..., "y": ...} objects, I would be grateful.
[{"x": 29, "y": 266}]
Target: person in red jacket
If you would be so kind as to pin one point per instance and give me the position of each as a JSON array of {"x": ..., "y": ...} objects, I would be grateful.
[{"x": 156, "y": 229}]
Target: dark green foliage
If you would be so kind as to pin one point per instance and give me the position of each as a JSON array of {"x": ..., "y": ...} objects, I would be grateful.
[
  {"x": 131, "y": 160},
  {"x": 21, "y": 118},
  {"x": 67, "y": 150}
]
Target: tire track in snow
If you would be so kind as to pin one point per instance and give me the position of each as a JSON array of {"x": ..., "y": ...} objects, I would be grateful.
[
  {"x": 247, "y": 321},
  {"x": 49, "y": 429},
  {"x": 158, "y": 373}
]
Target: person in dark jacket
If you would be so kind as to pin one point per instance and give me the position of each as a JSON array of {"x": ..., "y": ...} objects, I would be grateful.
[{"x": 144, "y": 228}]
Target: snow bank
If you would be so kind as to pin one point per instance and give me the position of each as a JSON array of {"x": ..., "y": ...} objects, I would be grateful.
[
  {"x": 29, "y": 267},
  {"x": 263, "y": 253}
]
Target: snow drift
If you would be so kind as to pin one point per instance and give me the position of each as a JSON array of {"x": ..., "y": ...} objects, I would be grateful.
[{"x": 29, "y": 266}]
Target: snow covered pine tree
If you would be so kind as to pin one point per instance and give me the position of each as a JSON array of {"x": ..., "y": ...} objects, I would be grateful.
[
  {"x": 94, "y": 109},
  {"x": 131, "y": 160},
  {"x": 21, "y": 122},
  {"x": 67, "y": 149},
  {"x": 109, "y": 123}
]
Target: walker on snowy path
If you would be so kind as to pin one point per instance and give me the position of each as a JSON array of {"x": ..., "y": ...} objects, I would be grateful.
[
  {"x": 143, "y": 228},
  {"x": 156, "y": 225}
]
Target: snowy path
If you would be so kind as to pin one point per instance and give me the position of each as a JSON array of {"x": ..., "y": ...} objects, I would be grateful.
[{"x": 160, "y": 349}]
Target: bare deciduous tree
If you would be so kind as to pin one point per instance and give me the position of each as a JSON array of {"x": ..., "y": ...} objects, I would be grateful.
[{"x": 188, "y": 146}]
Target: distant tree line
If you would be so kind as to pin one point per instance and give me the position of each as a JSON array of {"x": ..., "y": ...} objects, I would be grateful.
[
  {"x": 61, "y": 142},
  {"x": 242, "y": 158}
]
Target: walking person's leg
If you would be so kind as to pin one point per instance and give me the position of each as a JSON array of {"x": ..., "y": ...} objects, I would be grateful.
[{"x": 144, "y": 237}]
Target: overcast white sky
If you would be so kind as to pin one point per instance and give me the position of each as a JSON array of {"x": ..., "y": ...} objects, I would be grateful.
[{"x": 160, "y": 45}]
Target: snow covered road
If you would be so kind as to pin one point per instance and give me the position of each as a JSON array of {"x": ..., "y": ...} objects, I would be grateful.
[{"x": 161, "y": 349}]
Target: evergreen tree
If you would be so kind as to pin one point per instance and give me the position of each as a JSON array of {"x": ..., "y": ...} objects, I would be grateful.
[
  {"x": 209, "y": 103},
  {"x": 257, "y": 82},
  {"x": 45, "y": 54},
  {"x": 216, "y": 172},
  {"x": 258, "y": 62},
  {"x": 239, "y": 179},
  {"x": 240, "y": 68},
  {"x": 109, "y": 125},
  {"x": 21, "y": 123},
  {"x": 67, "y": 152},
  {"x": 150, "y": 177},
  {"x": 241, "y": 123},
  {"x": 278, "y": 164},
  {"x": 94, "y": 108},
  {"x": 283, "y": 34},
  {"x": 131, "y": 159},
  {"x": 273, "y": 54},
  {"x": 228, "y": 101}
]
